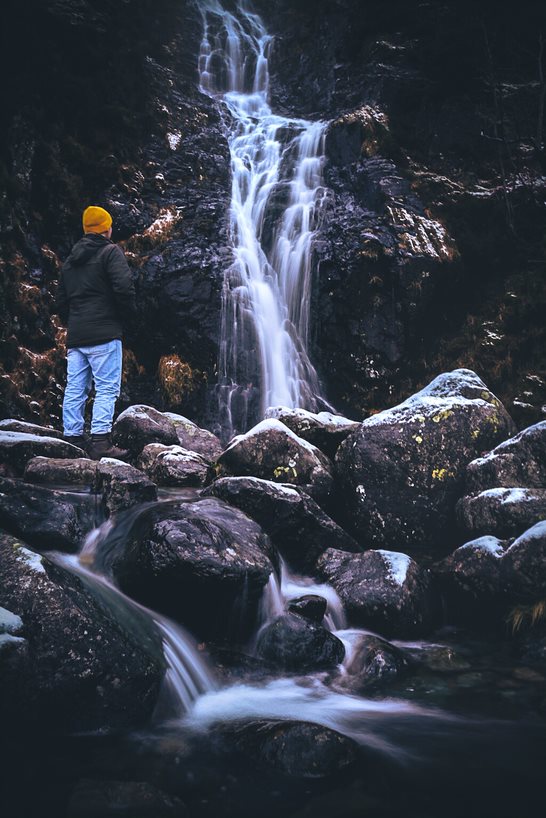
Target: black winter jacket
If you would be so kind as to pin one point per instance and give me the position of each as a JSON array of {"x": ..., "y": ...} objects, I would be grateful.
[{"x": 96, "y": 295}]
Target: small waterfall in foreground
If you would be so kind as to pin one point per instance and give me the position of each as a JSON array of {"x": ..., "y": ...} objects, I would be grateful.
[
  {"x": 187, "y": 676},
  {"x": 276, "y": 200}
]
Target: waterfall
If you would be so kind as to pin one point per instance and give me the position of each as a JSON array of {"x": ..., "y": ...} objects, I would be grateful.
[
  {"x": 187, "y": 676},
  {"x": 275, "y": 206}
]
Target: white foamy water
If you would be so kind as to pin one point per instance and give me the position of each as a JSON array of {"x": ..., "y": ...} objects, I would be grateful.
[
  {"x": 276, "y": 196},
  {"x": 292, "y": 586},
  {"x": 311, "y": 701},
  {"x": 187, "y": 676}
]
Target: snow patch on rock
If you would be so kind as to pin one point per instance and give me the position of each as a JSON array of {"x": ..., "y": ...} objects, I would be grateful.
[{"x": 397, "y": 565}]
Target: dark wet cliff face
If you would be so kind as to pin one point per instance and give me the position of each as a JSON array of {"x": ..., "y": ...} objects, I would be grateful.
[
  {"x": 431, "y": 253},
  {"x": 434, "y": 251}
]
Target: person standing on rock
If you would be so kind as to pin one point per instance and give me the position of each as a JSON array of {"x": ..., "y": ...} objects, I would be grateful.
[{"x": 95, "y": 297}]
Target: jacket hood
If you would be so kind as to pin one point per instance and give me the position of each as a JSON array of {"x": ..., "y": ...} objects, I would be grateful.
[{"x": 86, "y": 248}]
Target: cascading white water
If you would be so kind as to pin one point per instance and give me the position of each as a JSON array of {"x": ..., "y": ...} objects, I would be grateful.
[
  {"x": 276, "y": 198},
  {"x": 187, "y": 677}
]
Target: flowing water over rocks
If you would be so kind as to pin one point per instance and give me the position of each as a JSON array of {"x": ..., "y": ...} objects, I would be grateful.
[{"x": 276, "y": 195}]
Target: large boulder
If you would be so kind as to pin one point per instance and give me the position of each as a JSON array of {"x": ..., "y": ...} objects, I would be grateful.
[
  {"x": 294, "y": 643},
  {"x": 502, "y": 512},
  {"x": 403, "y": 470},
  {"x": 139, "y": 425},
  {"x": 382, "y": 590},
  {"x": 90, "y": 667},
  {"x": 524, "y": 566},
  {"x": 205, "y": 564},
  {"x": 470, "y": 581},
  {"x": 79, "y": 471},
  {"x": 272, "y": 451},
  {"x": 324, "y": 430},
  {"x": 47, "y": 519},
  {"x": 174, "y": 466},
  {"x": 195, "y": 439},
  {"x": 122, "y": 486},
  {"x": 520, "y": 461},
  {"x": 14, "y": 425},
  {"x": 17, "y": 448},
  {"x": 300, "y": 529}
]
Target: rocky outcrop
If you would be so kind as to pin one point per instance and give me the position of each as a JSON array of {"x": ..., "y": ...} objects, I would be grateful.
[
  {"x": 272, "y": 451},
  {"x": 518, "y": 462},
  {"x": 323, "y": 429},
  {"x": 195, "y": 439},
  {"x": 17, "y": 448},
  {"x": 174, "y": 466},
  {"x": 381, "y": 590},
  {"x": 524, "y": 565},
  {"x": 403, "y": 471},
  {"x": 87, "y": 669},
  {"x": 501, "y": 512},
  {"x": 471, "y": 581},
  {"x": 140, "y": 425},
  {"x": 297, "y": 525},
  {"x": 46, "y": 519},
  {"x": 92, "y": 798},
  {"x": 373, "y": 663},
  {"x": 292, "y": 748},
  {"x": 204, "y": 564},
  {"x": 78, "y": 470},
  {"x": 122, "y": 486},
  {"x": 293, "y": 642},
  {"x": 14, "y": 425}
]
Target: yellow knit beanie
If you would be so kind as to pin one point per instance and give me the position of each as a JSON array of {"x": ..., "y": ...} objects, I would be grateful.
[{"x": 96, "y": 220}]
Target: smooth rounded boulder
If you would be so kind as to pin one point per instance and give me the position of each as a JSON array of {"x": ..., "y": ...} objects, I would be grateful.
[
  {"x": 403, "y": 471},
  {"x": 88, "y": 667},
  {"x": 139, "y": 425},
  {"x": 300, "y": 529},
  {"x": 385, "y": 591},
  {"x": 204, "y": 564},
  {"x": 272, "y": 451},
  {"x": 295, "y": 643},
  {"x": 502, "y": 512}
]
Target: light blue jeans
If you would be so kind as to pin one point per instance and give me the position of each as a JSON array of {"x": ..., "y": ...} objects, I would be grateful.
[{"x": 102, "y": 365}]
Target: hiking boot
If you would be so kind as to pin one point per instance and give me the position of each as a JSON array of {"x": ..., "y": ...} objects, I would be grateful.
[
  {"x": 77, "y": 440},
  {"x": 102, "y": 446}
]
